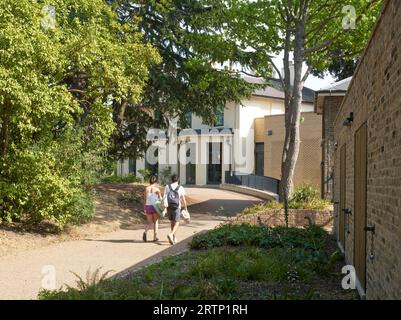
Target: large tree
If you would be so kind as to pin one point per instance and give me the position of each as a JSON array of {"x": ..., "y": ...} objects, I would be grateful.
[
  {"x": 341, "y": 67},
  {"x": 186, "y": 80},
  {"x": 306, "y": 31},
  {"x": 63, "y": 63}
]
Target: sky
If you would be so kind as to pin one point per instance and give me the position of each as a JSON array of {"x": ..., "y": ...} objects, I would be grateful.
[
  {"x": 316, "y": 83},
  {"x": 312, "y": 82}
]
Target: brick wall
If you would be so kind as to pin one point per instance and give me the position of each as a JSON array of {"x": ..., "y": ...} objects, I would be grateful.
[
  {"x": 307, "y": 169},
  {"x": 374, "y": 97},
  {"x": 259, "y": 127}
]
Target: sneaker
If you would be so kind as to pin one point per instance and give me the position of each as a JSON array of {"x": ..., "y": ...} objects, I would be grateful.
[
  {"x": 155, "y": 239},
  {"x": 144, "y": 237},
  {"x": 170, "y": 239},
  {"x": 175, "y": 239}
]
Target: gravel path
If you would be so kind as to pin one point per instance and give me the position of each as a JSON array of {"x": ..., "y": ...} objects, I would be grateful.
[{"x": 22, "y": 274}]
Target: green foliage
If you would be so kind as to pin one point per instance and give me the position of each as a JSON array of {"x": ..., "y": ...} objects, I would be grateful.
[
  {"x": 311, "y": 237},
  {"x": 186, "y": 80},
  {"x": 145, "y": 173},
  {"x": 43, "y": 185},
  {"x": 304, "y": 197},
  {"x": 342, "y": 66},
  {"x": 312, "y": 33},
  {"x": 262, "y": 25},
  {"x": 307, "y": 197},
  {"x": 165, "y": 176},
  {"x": 305, "y": 193},
  {"x": 58, "y": 85},
  {"x": 269, "y": 205},
  {"x": 305, "y": 248},
  {"x": 251, "y": 264},
  {"x": 129, "y": 178},
  {"x": 298, "y": 256},
  {"x": 90, "y": 285}
]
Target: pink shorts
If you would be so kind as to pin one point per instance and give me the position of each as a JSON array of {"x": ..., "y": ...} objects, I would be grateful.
[{"x": 150, "y": 210}]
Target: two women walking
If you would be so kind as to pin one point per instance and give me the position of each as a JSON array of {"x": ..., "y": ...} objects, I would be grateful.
[{"x": 174, "y": 199}]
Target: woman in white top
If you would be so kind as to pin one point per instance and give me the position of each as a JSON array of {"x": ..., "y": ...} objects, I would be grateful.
[{"x": 151, "y": 195}]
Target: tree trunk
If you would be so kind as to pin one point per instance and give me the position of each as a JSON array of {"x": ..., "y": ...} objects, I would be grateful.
[{"x": 292, "y": 119}]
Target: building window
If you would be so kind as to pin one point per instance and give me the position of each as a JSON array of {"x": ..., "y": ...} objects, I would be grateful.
[
  {"x": 187, "y": 121},
  {"x": 259, "y": 158},
  {"x": 219, "y": 118},
  {"x": 132, "y": 166},
  {"x": 158, "y": 117},
  {"x": 154, "y": 166}
]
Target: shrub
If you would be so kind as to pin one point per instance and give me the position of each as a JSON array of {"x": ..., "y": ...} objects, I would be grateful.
[
  {"x": 263, "y": 207},
  {"x": 305, "y": 193},
  {"x": 307, "y": 197},
  {"x": 40, "y": 187},
  {"x": 234, "y": 235},
  {"x": 304, "y": 197},
  {"x": 305, "y": 249},
  {"x": 130, "y": 178},
  {"x": 145, "y": 173},
  {"x": 250, "y": 265},
  {"x": 165, "y": 175},
  {"x": 311, "y": 237}
]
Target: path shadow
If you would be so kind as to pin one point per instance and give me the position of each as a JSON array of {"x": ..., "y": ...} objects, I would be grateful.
[
  {"x": 179, "y": 248},
  {"x": 160, "y": 242},
  {"x": 222, "y": 207},
  {"x": 22, "y": 227}
]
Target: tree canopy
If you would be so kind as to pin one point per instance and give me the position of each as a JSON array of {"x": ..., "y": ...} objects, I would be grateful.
[
  {"x": 63, "y": 64},
  {"x": 306, "y": 31},
  {"x": 187, "y": 79}
]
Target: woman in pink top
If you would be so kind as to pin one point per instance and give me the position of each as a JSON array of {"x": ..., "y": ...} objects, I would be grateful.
[{"x": 151, "y": 195}]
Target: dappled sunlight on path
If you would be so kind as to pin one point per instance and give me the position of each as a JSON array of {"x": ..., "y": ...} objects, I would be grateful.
[{"x": 120, "y": 251}]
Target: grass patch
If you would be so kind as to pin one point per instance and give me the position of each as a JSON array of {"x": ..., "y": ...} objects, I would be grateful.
[
  {"x": 233, "y": 262},
  {"x": 304, "y": 197}
]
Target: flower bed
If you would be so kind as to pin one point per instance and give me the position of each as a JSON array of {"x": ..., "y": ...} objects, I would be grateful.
[{"x": 296, "y": 218}]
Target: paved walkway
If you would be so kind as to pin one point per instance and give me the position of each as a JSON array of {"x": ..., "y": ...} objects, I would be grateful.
[{"x": 22, "y": 275}]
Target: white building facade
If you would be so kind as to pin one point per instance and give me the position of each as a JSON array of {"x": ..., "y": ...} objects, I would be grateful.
[{"x": 202, "y": 154}]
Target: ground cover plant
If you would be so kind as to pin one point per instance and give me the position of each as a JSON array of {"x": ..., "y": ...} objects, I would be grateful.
[
  {"x": 305, "y": 196},
  {"x": 234, "y": 262}
]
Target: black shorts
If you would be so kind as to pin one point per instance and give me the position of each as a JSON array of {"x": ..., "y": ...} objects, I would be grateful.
[{"x": 174, "y": 214}]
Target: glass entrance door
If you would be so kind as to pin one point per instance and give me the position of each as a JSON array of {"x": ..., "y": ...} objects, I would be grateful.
[
  {"x": 214, "y": 163},
  {"x": 259, "y": 159},
  {"x": 190, "y": 167}
]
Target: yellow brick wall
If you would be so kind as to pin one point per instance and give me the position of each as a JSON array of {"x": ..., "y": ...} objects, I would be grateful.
[
  {"x": 374, "y": 97},
  {"x": 259, "y": 129},
  {"x": 308, "y": 167}
]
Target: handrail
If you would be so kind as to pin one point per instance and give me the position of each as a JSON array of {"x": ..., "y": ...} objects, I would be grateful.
[{"x": 253, "y": 181}]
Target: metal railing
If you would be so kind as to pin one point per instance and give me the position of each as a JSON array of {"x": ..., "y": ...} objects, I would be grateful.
[{"x": 253, "y": 181}]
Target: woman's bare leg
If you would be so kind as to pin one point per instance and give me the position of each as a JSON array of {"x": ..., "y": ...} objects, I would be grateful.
[
  {"x": 149, "y": 222},
  {"x": 155, "y": 225}
]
